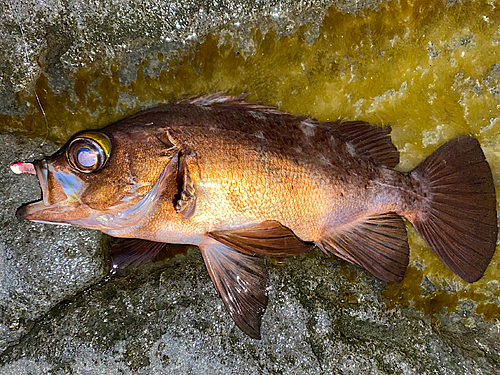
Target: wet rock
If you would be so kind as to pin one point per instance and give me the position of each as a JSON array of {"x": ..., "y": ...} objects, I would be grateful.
[
  {"x": 167, "y": 318},
  {"x": 59, "y": 38},
  {"x": 40, "y": 265}
]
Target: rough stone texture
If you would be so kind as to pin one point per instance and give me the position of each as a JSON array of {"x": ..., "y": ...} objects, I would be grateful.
[
  {"x": 40, "y": 265},
  {"x": 167, "y": 318},
  {"x": 62, "y": 36}
]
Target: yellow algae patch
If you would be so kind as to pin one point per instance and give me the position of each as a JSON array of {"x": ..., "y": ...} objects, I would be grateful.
[
  {"x": 428, "y": 69},
  {"x": 429, "y": 286},
  {"x": 91, "y": 104}
]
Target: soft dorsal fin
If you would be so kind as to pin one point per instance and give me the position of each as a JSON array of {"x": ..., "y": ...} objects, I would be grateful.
[
  {"x": 129, "y": 253},
  {"x": 241, "y": 281},
  {"x": 377, "y": 243},
  {"x": 371, "y": 141},
  {"x": 268, "y": 238}
]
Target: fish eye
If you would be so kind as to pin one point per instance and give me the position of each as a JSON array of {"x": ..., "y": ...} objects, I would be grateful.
[{"x": 88, "y": 152}]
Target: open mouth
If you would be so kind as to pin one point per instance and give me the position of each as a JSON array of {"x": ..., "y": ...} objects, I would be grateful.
[
  {"x": 38, "y": 168},
  {"x": 61, "y": 198}
]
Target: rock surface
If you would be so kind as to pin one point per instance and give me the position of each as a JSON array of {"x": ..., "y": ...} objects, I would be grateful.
[
  {"x": 40, "y": 264},
  {"x": 60, "y": 37}
]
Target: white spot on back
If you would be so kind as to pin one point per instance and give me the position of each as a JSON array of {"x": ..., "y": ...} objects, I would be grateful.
[
  {"x": 307, "y": 128},
  {"x": 257, "y": 114},
  {"x": 351, "y": 148},
  {"x": 260, "y": 134},
  {"x": 334, "y": 141},
  {"x": 323, "y": 159}
]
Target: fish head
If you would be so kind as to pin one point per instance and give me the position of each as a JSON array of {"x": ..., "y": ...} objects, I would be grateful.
[{"x": 107, "y": 180}]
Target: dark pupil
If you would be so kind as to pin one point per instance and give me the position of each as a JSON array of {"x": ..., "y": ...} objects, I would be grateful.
[{"x": 86, "y": 157}]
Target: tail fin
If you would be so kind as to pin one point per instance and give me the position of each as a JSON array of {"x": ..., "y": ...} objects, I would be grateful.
[{"x": 459, "y": 221}]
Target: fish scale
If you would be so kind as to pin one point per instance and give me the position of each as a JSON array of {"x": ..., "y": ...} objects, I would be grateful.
[{"x": 258, "y": 187}]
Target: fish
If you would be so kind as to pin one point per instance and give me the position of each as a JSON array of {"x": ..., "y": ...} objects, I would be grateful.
[{"x": 244, "y": 181}]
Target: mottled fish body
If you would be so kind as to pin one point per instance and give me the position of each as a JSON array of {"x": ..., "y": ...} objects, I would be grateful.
[{"x": 241, "y": 181}]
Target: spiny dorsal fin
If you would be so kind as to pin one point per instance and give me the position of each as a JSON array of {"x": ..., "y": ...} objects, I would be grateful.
[
  {"x": 221, "y": 99},
  {"x": 216, "y": 98},
  {"x": 370, "y": 141},
  {"x": 241, "y": 281},
  {"x": 377, "y": 243},
  {"x": 268, "y": 238}
]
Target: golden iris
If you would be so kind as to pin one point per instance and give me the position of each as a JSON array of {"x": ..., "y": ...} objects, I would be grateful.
[{"x": 88, "y": 152}]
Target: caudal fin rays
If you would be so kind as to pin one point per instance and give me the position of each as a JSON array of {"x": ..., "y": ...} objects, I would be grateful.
[{"x": 459, "y": 220}]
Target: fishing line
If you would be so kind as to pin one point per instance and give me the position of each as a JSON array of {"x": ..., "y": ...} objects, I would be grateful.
[{"x": 31, "y": 76}]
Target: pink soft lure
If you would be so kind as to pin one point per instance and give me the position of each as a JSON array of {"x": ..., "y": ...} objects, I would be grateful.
[{"x": 19, "y": 168}]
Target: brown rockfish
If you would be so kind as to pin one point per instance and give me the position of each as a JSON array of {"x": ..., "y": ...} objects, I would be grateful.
[{"x": 242, "y": 180}]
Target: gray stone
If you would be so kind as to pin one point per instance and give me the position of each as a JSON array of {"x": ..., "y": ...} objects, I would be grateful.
[
  {"x": 40, "y": 264},
  {"x": 167, "y": 318},
  {"x": 60, "y": 37}
]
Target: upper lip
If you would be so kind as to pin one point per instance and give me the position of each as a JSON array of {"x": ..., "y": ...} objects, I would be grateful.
[
  {"x": 29, "y": 209},
  {"x": 41, "y": 173}
]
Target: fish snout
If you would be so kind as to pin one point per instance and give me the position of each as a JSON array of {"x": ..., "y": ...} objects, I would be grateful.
[
  {"x": 60, "y": 193},
  {"x": 38, "y": 168}
]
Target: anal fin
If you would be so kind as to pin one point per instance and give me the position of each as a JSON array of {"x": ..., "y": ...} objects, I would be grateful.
[
  {"x": 377, "y": 243},
  {"x": 241, "y": 281},
  {"x": 268, "y": 238}
]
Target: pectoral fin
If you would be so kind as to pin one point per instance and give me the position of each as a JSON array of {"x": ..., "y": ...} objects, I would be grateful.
[
  {"x": 241, "y": 281},
  {"x": 377, "y": 243},
  {"x": 185, "y": 200},
  {"x": 134, "y": 252},
  {"x": 268, "y": 238}
]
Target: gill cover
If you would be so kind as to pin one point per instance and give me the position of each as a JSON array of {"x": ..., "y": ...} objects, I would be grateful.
[{"x": 88, "y": 152}]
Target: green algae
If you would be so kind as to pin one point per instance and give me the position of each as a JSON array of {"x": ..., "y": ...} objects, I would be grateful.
[{"x": 428, "y": 69}]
